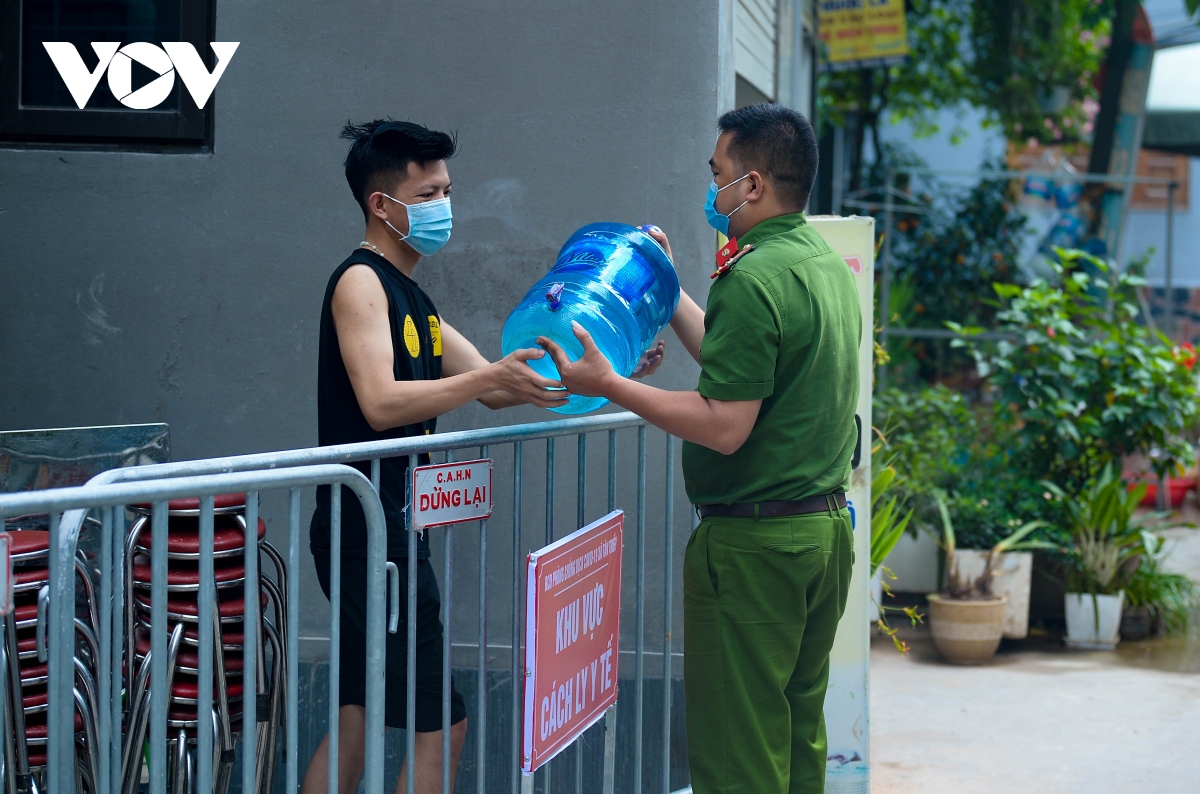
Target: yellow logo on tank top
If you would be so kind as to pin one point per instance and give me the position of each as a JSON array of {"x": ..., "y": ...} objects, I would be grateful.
[
  {"x": 411, "y": 340},
  {"x": 435, "y": 333}
]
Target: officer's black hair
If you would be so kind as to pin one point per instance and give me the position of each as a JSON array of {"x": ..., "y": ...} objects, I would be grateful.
[
  {"x": 381, "y": 150},
  {"x": 775, "y": 141}
]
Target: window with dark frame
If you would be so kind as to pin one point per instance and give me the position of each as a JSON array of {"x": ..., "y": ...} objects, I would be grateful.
[{"x": 36, "y": 109}]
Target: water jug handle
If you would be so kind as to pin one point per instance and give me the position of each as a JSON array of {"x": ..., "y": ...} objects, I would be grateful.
[{"x": 554, "y": 296}]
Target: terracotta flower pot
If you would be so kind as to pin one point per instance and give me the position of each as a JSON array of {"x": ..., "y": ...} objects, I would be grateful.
[{"x": 966, "y": 632}]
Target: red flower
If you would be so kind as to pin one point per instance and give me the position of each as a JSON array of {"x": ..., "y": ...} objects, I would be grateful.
[
  {"x": 1050, "y": 332},
  {"x": 1186, "y": 355}
]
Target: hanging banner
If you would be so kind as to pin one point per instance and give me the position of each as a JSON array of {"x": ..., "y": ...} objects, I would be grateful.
[
  {"x": 572, "y": 632},
  {"x": 861, "y": 34}
]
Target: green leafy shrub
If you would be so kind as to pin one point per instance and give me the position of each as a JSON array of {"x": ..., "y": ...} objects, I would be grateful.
[
  {"x": 944, "y": 265},
  {"x": 1081, "y": 382},
  {"x": 940, "y": 444},
  {"x": 923, "y": 434}
]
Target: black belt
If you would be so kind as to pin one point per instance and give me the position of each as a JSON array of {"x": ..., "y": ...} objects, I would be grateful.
[{"x": 813, "y": 504}]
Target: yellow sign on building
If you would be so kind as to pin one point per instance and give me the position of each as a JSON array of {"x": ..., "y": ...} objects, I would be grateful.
[{"x": 859, "y": 34}]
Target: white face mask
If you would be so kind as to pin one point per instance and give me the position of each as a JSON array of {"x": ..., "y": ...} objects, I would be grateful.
[{"x": 429, "y": 225}]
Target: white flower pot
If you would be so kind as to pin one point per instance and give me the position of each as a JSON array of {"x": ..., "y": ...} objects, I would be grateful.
[
  {"x": 1012, "y": 577},
  {"x": 1091, "y": 630}
]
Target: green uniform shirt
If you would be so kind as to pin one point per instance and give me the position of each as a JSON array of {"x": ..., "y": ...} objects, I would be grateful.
[{"x": 783, "y": 325}]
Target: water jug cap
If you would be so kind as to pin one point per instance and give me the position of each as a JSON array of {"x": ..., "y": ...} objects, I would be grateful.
[{"x": 554, "y": 296}]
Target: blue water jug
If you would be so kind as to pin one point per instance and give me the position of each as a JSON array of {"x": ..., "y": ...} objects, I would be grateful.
[{"x": 615, "y": 281}]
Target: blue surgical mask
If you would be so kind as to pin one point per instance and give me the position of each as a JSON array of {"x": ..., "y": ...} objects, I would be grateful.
[
  {"x": 429, "y": 225},
  {"x": 715, "y": 219}
]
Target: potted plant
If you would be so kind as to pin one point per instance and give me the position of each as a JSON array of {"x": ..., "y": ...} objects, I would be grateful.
[
  {"x": 990, "y": 497},
  {"x": 990, "y": 503},
  {"x": 1156, "y": 600},
  {"x": 967, "y": 618},
  {"x": 1105, "y": 539}
]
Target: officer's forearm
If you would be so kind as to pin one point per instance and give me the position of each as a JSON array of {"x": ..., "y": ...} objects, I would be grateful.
[
  {"x": 688, "y": 325},
  {"x": 716, "y": 424}
]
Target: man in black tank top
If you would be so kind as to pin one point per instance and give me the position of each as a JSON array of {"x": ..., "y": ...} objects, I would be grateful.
[{"x": 389, "y": 365}]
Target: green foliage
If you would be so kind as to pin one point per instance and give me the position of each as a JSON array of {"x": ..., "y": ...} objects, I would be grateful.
[
  {"x": 1171, "y": 597},
  {"x": 945, "y": 263},
  {"x": 942, "y": 446},
  {"x": 887, "y": 523},
  {"x": 960, "y": 587},
  {"x": 936, "y": 75},
  {"x": 922, "y": 433},
  {"x": 1106, "y": 533},
  {"x": 991, "y": 498},
  {"x": 1034, "y": 63},
  {"x": 1081, "y": 382}
]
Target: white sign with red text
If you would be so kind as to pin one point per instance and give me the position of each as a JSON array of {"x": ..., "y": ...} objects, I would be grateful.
[{"x": 451, "y": 493}]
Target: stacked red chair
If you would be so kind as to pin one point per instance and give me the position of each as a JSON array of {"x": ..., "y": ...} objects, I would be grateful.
[
  {"x": 231, "y": 683},
  {"x": 26, "y": 671}
]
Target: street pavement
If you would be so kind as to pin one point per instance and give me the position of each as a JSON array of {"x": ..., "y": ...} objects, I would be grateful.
[{"x": 1041, "y": 718}]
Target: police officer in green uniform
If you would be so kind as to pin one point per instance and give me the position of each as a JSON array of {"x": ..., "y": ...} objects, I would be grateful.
[{"x": 768, "y": 435}]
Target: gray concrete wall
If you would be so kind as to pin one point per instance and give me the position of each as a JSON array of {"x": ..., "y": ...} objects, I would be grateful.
[{"x": 186, "y": 288}]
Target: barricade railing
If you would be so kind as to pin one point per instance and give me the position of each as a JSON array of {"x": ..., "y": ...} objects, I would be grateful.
[
  {"x": 115, "y": 684},
  {"x": 183, "y": 478}
]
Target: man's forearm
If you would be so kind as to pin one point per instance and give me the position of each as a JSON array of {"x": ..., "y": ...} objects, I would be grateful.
[
  {"x": 688, "y": 325},
  {"x": 496, "y": 400},
  {"x": 401, "y": 403},
  {"x": 686, "y": 414}
]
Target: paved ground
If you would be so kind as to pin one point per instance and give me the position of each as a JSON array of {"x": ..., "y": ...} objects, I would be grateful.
[{"x": 1041, "y": 718}]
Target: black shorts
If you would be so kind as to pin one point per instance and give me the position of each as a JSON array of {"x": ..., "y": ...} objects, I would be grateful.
[{"x": 353, "y": 646}]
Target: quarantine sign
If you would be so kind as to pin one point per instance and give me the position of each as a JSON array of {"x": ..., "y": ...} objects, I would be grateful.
[
  {"x": 572, "y": 631},
  {"x": 451, "y": 493}
]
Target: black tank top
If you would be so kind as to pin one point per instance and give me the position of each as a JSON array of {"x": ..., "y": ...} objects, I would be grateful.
[{"x": 417, "y": 355}]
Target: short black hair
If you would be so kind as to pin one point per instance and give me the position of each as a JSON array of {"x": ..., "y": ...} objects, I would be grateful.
[
  {"x": 776, "y": 141},
  {"x": 381, "y": 150}
]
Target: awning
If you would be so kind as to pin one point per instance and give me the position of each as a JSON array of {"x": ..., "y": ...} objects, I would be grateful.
[{"x": 1173, "y": 102}]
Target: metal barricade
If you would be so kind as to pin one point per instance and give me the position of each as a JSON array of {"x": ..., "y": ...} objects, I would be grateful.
[
  {"x": 115, "y": 685},
  {"x": 184, "y": 478}
]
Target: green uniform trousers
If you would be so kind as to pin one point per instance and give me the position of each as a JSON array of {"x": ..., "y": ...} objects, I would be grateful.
[{"x": 761, "y": 603}]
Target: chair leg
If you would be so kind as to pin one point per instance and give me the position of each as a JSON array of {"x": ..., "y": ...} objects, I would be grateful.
[
  {"x": 222, "y": 703},
  {"x": 7, "y": 700},
  {"x": 179, "y": 779},
  {"x": 189, "y": 783},
  {"x": 135, "y": 725},
  {"x": 89, "y": 590},
  {"x": 135, "y": 532},
  {"x": 278, "y": 671},
  {"x": 89, "y": 736},
  {"x": 281, "y": 575},
  {"x": 132, "y": 766},
  {"x": 23, "y": 780}
]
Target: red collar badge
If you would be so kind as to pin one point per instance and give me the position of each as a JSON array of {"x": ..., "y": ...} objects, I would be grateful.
[{"x": 729, "y": 255}]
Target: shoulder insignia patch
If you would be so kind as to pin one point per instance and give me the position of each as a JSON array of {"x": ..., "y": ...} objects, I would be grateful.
[{"x": 728, "y": 256}]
